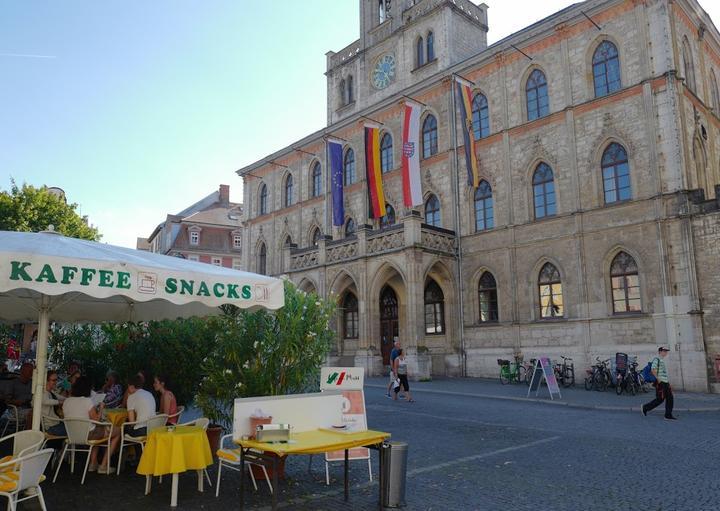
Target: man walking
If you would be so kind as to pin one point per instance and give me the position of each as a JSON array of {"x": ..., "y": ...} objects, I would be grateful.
[
  {"x": 663, "y": 391},
  {"x": 393, "y": 356}
]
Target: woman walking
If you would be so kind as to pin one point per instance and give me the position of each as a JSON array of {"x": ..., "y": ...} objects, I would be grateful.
[{"x": 400, "y": 369}]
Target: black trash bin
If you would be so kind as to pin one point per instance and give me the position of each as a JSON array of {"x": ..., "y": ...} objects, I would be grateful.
[{"x": 394, "y": 472}]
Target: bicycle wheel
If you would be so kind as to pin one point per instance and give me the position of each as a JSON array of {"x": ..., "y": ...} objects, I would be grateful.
[
  {"x": 600, "y": 382},
  {"x": 620, "y": 384},
  {"x": 504, "y": 375},
  {"x": 589, "y": 383},
  {"x": 569, "y": 377},
  {"x": 632, "y": 387}
]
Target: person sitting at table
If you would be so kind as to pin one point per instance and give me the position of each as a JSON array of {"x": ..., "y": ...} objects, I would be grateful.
[
  {"x": 20, "y": 392},
  {"x": 113, "y": 390},
  {"x": 140, "y": 406},
  {"x": 144, "y": 378},
  {"x": 80, "y": 406},
  {"x": 168, "y": 403},
  {"x": 73, "y": 374},
  {"x": 50, "y": 404}
]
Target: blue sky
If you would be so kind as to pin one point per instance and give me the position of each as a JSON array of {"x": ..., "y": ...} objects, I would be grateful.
[{"x": 138, "y": 109}]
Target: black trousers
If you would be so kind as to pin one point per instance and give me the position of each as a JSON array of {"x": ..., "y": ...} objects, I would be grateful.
[{"x": 663, "y": 392}]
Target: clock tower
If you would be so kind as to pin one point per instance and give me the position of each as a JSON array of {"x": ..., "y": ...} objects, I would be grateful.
[{"x": 401, "y": 42}]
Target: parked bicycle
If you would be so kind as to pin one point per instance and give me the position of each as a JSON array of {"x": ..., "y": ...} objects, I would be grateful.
[
  {"x": 529, "y": 370},
  {"x": 512, "y": 371},
  {"x": 599, "y": 376},
  {"x": 565, "y": 372}
]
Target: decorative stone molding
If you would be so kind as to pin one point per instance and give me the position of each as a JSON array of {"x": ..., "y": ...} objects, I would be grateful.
[
  {"x": 386, "y": 241},
  {"x": 304, "y": 260},
  {"x": 435, "y": 240},
  {"x": 341, "y": 252}
]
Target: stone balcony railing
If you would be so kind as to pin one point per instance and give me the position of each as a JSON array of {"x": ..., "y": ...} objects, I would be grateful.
[
  {"x": 411, "y": 233},
  {"x": 335, "y": 59}
]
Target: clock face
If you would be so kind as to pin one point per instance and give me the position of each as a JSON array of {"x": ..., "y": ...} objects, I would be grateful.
[{"x": 383, "y": 73}]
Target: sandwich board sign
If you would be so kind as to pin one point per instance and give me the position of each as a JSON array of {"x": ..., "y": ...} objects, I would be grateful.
[
  {"x": 543, "y": 370},
  {"x": 350, "y": 381}
]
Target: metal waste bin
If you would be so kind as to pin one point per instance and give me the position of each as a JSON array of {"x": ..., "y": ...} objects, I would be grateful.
[{"x": 394, "y": 469}]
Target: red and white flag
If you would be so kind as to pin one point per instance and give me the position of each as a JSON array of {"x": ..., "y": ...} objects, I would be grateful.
[{"x": 412, "y": 187}]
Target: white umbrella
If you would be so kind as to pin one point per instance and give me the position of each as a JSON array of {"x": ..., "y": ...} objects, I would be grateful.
[{"x": 46, "y": 275}]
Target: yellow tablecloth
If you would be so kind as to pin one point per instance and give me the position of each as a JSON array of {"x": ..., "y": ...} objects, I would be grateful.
[
  {"x": 173, "y": 452},
  {"x": 116, "y": 415},
  {"x": 318, "y": 441}
]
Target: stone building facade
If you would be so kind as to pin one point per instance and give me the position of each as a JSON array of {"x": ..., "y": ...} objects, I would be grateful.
[{"x": 595, "y": 228}]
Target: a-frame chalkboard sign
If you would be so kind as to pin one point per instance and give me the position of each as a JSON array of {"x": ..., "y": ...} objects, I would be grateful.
[{"x": 543, "y": 370}]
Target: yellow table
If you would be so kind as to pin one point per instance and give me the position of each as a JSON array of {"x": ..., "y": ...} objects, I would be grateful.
[
  {"x": 172, "y": 452},
  {"x": 117, "y": 416},
  {"x": 311, "y": 442}
]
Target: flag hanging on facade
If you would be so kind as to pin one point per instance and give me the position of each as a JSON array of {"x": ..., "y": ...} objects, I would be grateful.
[
  {"x": 335, "y": 154},
  {"x": 412, "y": 186},
  {"x": 471, "y": 163},
  {"x": 376, "y": 196}
]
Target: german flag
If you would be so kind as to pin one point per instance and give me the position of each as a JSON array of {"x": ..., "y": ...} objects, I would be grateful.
[
  {"x": 376, "y": 196},
  {"x": 471, "y": 162}
]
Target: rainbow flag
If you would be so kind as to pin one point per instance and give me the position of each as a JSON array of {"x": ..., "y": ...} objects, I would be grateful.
[
  {"x": 376, "y": 196},
  {"x": 471, "y": 163}
]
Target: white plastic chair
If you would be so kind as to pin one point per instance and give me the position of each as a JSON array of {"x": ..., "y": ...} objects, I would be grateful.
[
  {"x": 29, "y": 470},
  {"x": 327, "y": 468},
  {"x": 177, "y": 415},
  {"x": 230, "y": 458},
  {"x": 153, "y": 423},
  {"x": 25, "y": 442},
  {"x": 77, "y": 440}
]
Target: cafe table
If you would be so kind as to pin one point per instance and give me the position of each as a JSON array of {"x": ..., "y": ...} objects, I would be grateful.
[
  {"x": 173, "y": 450},
  {"x": 316, "y": 441},
  {"x": 117, "y": 416}
]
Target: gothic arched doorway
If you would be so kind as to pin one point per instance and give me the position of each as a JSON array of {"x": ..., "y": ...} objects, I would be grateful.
[{"x": 389, "y": 325}]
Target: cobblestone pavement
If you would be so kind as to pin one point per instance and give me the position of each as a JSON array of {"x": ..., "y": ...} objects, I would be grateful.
[{"x": 470, "y": 453}]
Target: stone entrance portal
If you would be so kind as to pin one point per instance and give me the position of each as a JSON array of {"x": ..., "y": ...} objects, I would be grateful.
[{"x": 389, "y": 325}]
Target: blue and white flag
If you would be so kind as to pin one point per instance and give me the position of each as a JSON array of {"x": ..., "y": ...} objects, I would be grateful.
[{"x": 335, "y": 151}]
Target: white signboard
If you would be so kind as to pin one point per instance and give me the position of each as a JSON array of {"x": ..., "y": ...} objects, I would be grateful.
[{"x": 348, "y": 380}]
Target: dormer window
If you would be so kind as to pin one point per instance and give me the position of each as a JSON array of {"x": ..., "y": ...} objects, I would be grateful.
[{"x": 194, "y": 237}]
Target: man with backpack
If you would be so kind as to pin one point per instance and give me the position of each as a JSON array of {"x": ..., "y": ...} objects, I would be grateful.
[{"x": 663, "y": 391}]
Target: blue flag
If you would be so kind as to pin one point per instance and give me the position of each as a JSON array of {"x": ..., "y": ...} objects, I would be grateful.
[{"x": 335, "y": 151}]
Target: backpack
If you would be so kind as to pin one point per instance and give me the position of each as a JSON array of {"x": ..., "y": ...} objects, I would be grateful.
[{"x": 647, "y": 372}]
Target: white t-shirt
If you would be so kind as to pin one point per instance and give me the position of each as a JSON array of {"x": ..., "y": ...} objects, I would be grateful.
[
  {"x": 78, "y": 408},
  {"x": 144, "y": 405}
]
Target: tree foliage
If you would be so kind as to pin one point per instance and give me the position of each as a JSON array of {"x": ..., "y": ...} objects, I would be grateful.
[{"x": 31, "y": 209}]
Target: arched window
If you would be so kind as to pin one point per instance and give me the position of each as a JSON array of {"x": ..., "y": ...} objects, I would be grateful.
[
  {"x": 288, "y": 190},
  {"x": 383, "y": 8},
  {"x": 350, "y": 316},
  {"x": 263, "y": 203},
  {"x": 349, "y": 227},
  {"x": 606, "y": 69},
  {"x": 349, "y": 167},
  {"x": 550, "y": 289},
  {"x": 316, "y": 184},
  {"x": 288, "y": 241},
  {"x": 429, "y": 136},
  {"x": 315, "y": 237},
  {"x": 262, "y": 260},
  {"x": 484, "y": 218},
  {"x": 434, "y": 309},
  {"x": 419, "y": 52},
  {"x": 430, "y": 47},
  {"x": 616, "y": 174},
  {"x": 389, "y": 218},
  {"x": 342, "y": 92},
  {"x": 688, "y": 65},
  {"x": 350, "y": 93},
  {"x": 487, "y": 298},
  {"x": 625, "y": 284},
  {"x": 432, "y": 211},
  {"x": 386, "y": 153},
  {"x": 480, "y": 116},
  {"x": 714, "y": 93},
  {"x": 543, "y": 191},
  {"x": 536, "y": 93}
]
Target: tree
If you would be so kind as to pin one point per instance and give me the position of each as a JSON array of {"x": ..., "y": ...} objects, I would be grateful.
[{"x": 31, "y": 209}]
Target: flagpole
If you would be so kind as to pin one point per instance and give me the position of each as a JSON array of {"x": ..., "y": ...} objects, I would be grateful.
[{"x": 456, "y": 190}]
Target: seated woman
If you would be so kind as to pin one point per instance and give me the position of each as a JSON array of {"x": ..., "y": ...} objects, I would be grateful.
[
  {"x": 80, "y": 406},
  {"x": 51, "y": 420},
  {"x": 66, "y": 385},
  {"x": 113, "y": 390},
  {"x": 168, "y": 403}
]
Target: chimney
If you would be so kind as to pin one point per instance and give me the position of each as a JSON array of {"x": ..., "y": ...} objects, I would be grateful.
[{"x": 224, "y": 194}]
